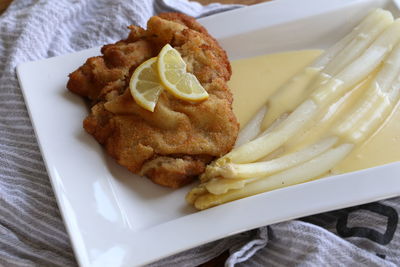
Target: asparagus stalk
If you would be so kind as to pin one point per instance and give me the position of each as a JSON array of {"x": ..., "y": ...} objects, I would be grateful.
[
  {"x": 365, "y": 34},
  {"x": 360, "y": 68},
  {"x": 364, "y": 26},
  {"x": 333, "y": 89},
  {"x": 267, "y": 143},
  {"x": 195, "y": 193},
  {"x": 292, "y": 92},
  {"x": 365, "y": 128},
  {"x": 371, "y": 111},
  {"x": 261, "y": 169},
  {"x": 376, "y": 104},
  {"x": 298, "y": 174},
  {"x": 332, "y": 60},
  {"x": 218, "y": 186},
  {"x": 252, "y": 128},
  {"x": 228, "y": 178}
]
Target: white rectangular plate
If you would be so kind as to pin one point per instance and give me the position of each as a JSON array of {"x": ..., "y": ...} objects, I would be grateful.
[{"x": 115, "y": 218}]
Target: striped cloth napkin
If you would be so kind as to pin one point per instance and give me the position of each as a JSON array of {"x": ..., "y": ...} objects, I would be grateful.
[{"x": 31, "y": 230}]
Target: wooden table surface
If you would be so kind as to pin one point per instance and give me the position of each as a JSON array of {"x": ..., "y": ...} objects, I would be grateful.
[{"x": 218, "y": 261}]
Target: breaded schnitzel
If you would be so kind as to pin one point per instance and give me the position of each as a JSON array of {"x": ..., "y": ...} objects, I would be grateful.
[{"x": 173, "y": 144}]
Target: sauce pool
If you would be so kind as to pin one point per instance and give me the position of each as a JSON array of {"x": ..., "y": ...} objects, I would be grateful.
[{"x": 254, "y": 80}]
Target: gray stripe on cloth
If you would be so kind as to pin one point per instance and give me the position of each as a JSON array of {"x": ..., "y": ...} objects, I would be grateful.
[
  {"x": 31, "y": 230},
  {"x": 193, "y": 9}
]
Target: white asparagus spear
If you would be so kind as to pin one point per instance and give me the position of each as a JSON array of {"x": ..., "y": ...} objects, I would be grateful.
[
  {"x": 372, "y": 103},
  {"x": 219, "y": 186},
  {"x": 267, "y": 143},
  {"x": 292, "y": 92},
  {"x": 325, "y": 95},
  {"x": 366, "y": 127},
  {"x": 298, "y": 174},
  {"x": 252, "y": 128},
  {"x": 376, "y": 104},
  {"x": 195, "y": 193},
  {"x": 332, "y": 60},
  {"x": 333, "y": 88},
  {"x": 364, "y": 26},
  {"x": 367, "y": 33},
  {"x": 374, "y": 107},
  {"x": 261, "y": 169},
  {"x": 370, "y": 112},
  {"x": 360, "y": 68}
]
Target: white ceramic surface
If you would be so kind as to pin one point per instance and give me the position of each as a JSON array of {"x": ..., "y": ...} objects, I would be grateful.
[{"x": 115, "y": 218}]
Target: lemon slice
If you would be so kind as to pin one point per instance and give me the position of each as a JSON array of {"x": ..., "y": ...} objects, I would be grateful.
[
  {"x": 145, "y": 84},
  {"x": 173, "y": 75}
]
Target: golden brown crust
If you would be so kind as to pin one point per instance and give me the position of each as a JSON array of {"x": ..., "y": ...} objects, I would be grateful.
[
  {"x": 173, "y": 144},
  {"x": 116, "y": 63},
  {"x": 184, "y": 169},
  {"x": 189, "y": 22}
]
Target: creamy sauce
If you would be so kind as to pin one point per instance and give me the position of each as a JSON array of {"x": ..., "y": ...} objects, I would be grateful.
[{"x": 255, "y": 80}]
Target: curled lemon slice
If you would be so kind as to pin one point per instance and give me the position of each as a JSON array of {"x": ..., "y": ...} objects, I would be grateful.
[
  {"x": 145, "y": 84},
  {"x": 173, "y": 75}
]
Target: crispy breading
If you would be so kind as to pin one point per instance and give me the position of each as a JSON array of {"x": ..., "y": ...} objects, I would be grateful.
[{"x": 173, "y": 144}]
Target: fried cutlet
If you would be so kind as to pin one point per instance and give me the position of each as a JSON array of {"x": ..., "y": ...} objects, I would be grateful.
[{"x": 173, "y": 144}]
